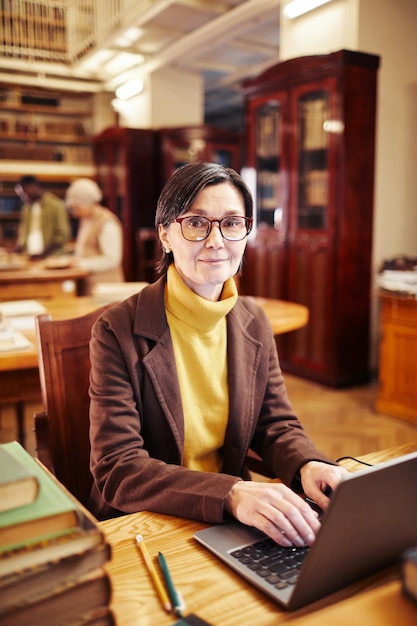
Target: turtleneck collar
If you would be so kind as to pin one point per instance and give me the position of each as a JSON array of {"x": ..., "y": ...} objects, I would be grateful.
[{"x": 192, "y": 309}]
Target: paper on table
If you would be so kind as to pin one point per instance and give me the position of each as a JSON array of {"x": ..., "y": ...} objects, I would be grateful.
[
  {"x": 15, "y": 308},
  {"x": 22, "y": 322},
  {"x": 17, "y": 342}
]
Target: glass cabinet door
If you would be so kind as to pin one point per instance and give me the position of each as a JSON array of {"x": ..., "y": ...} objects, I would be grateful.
[
  {"x": 268, "y": 166},
  {"x": 313, "y": 167}
]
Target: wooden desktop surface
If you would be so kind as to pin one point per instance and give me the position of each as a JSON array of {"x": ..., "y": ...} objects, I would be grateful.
[
  {"x": 36, "y": 281},
  {"x": 215, "y": 593}
]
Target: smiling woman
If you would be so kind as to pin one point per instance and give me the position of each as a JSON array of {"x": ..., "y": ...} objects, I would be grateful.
[
  {"x": 185, "y": 378},
  {"x": 209, "y": 239}
]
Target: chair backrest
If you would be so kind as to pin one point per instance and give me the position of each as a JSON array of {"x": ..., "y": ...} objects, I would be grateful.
[
  {"x": 148, "y": 250},
  {"x": 62, "y": 430}
]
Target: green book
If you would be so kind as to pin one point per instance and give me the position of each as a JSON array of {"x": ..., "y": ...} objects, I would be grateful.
[
  {"x": 51, "y": 514},
  {"x": 18, "y": 482}
]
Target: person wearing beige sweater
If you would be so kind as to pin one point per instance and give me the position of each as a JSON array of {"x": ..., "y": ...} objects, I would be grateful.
[{"x": 99, "y": 242}]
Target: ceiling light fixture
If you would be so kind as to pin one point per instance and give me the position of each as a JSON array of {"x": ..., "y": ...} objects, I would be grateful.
[
  {"x": 129, "y": 37},
  {"x": 295, "y": 8},
  {"x": 129, "y": 89}
]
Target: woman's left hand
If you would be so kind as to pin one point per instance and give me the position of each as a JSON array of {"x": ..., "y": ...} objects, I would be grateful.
[{"x": 319, "y": 479}]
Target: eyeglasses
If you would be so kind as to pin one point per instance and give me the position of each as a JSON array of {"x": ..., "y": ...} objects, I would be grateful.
[{"x": 232, "y": 227}]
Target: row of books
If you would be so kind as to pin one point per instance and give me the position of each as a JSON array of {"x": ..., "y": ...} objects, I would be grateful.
[
  {"x": 316, "y": 187},
  {"x": 268, "y": 135},
  {"x": 29, "y": 125},
  {"x": 10, "y": 204},
  {"x": 268, "y": 189},
  {"x": 33, "y": 33},
  {"x": 19, "y": 96},
  {"x": 313, "y": 117},
  {"x": 52, "y": 551},
  {"x": 45, "y": 152},
  {"x": 42, "y": 10}
]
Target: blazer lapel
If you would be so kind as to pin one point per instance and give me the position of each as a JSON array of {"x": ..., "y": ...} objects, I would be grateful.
[
  {"x": 243, "y": 357},
  {"x": 159, "y": 362}
]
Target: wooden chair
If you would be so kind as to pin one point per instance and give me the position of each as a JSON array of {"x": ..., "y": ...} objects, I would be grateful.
[
  {"x": 62, "y": 429},
  {"x": 148, "y": 250}
]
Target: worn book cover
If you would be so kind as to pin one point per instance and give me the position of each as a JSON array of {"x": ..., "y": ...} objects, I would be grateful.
[
  {"x": 53, "y": 512},
  {"x": 18, "y": 482},
  {"x": 43, "y": 578},
  {"x": 34, "y": 553},
  {"x": 69, "y": 603}
]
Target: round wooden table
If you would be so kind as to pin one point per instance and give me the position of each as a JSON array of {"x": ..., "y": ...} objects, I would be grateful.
[{"x": 284, "y": 316}]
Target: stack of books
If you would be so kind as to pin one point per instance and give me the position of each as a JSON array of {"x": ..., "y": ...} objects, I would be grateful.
[{"x": 52, "y": 551}]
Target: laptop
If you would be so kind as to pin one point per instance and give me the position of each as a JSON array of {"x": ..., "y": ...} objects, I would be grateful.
[{"x": 370, "y": 521}]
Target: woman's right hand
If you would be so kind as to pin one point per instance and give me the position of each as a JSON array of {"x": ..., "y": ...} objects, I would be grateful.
[{"x": 274, "y": 509}]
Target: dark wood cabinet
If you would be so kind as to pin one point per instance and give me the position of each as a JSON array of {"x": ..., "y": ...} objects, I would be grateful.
[
  {"x": 126, "y": 170},
  {"x": 310, "y": 139},
  {"x": 397, "y": 389}
]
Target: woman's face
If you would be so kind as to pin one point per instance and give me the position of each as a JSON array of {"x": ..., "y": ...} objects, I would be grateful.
[{"x": 205, "y": 265}]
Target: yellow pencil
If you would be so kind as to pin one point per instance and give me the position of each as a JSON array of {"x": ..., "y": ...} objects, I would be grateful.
[{"x": 154, "y": 574}]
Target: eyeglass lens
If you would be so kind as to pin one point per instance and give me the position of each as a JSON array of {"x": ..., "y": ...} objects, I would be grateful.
[{"x": 233, "y": 227}]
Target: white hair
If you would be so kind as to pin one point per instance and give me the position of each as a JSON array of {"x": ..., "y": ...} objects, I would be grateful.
[{"x": 83, "y": 192}]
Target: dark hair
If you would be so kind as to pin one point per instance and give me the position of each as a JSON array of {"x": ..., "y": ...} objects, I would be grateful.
[
  {"x": 28, "y": 180},
  {"x": 183, "y": 187}
]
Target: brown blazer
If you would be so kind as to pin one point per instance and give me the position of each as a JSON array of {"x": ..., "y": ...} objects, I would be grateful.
[{"x": 137, "y": 428}]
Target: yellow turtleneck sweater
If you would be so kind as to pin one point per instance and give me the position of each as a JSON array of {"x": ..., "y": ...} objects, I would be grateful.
[{"x": 199, "y": 336}]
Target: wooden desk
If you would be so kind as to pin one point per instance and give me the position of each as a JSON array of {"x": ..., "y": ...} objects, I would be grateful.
[
  {"x": 19, "y": 376},
  {"x": 37, "y": 282},
  {"x": 215, "y": 593}
]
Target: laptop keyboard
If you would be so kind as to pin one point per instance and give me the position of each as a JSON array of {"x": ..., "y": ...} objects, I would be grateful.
[{"x": 279, "y": 566}]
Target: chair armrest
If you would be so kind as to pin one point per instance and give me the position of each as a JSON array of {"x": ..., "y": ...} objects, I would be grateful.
[{"x": 41, "y": 429}]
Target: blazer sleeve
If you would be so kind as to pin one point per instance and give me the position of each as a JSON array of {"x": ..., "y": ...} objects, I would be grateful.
[{"x": 280, "y": 438}]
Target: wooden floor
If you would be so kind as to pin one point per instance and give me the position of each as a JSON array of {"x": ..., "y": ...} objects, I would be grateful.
[{"x": 341, "y": 422}]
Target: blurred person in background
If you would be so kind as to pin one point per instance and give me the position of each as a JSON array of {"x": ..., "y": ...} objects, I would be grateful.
[
  {"x": 44, "y": 227},
  {"x": 99, "y": 242}
]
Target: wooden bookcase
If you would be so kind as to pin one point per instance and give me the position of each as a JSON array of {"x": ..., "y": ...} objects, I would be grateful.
[
  {"x": 310, "y": 138},
  {"x": 46, "y": 134},
  {"x": 39, "y": 27},
  {"x": 126, "y": 171},
  {"x": 40, "y": 125}
]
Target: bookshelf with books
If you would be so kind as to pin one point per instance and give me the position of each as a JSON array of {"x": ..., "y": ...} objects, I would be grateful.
[
  {"x": 38, "y": 24},
  {"x": 126, "y": 170},
  {"x": 43, "y": 133},
  {"x": 40, "y": 125},
  {"x": 311, "y": 141}
]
